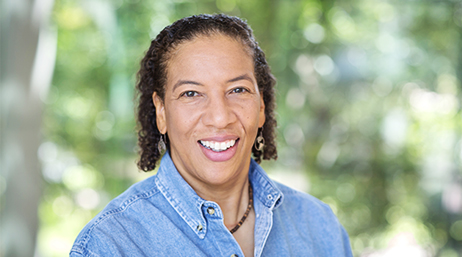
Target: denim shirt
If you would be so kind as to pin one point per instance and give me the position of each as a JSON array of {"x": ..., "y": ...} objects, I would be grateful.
[{"x": 163, "y": 216}]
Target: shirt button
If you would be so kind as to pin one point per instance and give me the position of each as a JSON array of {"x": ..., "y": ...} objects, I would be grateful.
[
  {"x": 199, "y": 227},
  {"x": 234, "y": 255},
  {"x": 270, "y": 197},
  {"x": 210, "y": 210}
]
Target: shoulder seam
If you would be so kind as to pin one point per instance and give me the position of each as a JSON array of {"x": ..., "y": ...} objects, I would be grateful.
[{"x": 122, "y": 207}]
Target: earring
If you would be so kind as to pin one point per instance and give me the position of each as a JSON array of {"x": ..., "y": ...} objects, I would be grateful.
[
  {"x": 161, "y": 144},
  {"x": 260, "y": 141}
]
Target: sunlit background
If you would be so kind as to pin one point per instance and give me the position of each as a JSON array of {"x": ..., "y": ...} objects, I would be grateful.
[{"x": 369, "y": 111}]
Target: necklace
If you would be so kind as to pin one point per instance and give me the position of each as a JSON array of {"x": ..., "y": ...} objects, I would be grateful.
[{"x": 239, "y": 224}]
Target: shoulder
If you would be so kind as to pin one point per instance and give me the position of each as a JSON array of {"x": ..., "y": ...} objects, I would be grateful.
[
  {"x": 305, "y": 209},
  {"x": 310, "y": 223},
  {"x": 298, "y": 199},
  {"x": 290, "y": 200},
  {"x": 132, "y": 198},
  {"x": 142, "y": 190},
  {"x": 117, "y": 215}
]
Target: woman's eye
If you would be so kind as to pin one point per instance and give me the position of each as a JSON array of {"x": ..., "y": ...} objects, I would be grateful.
[
  {"x": 190, "y": 94},
  {"x": 239, "y": 90}
]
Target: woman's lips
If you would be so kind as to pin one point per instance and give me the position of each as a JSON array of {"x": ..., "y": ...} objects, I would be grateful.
[{"x": 219, "y": 151}]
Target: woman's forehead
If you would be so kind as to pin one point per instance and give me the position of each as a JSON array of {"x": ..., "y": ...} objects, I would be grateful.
[
  {"x": 202, "y": 52},
  {"x": 207, "y": 39}
]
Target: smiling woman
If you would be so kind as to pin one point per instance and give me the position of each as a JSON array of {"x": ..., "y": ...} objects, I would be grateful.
[{"x": 206, "y": 92}]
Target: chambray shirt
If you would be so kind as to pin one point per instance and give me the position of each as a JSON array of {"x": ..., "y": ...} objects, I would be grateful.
[{"x": 163, "y": 216}]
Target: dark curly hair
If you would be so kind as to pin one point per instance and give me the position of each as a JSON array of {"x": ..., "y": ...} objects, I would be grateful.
[{"x": 152, "y": 78}]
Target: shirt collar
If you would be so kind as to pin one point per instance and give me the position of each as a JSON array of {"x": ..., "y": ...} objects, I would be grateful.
[
  {"x": 181, "y": 196},
  {"x": 264, "y": 188},
  {"x": 188, "y": 204}
]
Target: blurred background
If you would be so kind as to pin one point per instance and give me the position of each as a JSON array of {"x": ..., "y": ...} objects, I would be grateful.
[{"x": 369, "y": 111}]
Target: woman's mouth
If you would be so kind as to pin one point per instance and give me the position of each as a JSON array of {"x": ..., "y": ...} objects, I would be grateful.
[
  {"x": 218, "y": 146},
  {"x": 219, "y": 151}
]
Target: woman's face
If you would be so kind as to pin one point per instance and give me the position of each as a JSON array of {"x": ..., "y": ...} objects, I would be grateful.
[{"x": 212, "y": 110}]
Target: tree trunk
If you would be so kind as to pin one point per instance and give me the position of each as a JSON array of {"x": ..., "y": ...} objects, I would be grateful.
[{"x": 28, "y": 50}]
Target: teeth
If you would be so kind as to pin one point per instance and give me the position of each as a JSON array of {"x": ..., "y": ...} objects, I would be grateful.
[{"x": 218, "y": 146}]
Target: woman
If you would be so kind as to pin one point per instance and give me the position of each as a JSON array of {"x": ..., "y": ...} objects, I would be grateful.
[{"x": 207, "y": 101}]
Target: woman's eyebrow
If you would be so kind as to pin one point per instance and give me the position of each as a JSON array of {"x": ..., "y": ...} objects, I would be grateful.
[
  {"x": 183, "y": 82},
  {"x": 242, "y": 77}
]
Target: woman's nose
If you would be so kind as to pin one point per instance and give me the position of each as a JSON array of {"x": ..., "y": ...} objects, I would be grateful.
[{"x": 219, "y": 112}]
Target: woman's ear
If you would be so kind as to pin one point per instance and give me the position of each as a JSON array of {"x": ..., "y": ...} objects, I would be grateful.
[
  {"x": 262, "y": 116},
  {"x": 160, "y": 113}
]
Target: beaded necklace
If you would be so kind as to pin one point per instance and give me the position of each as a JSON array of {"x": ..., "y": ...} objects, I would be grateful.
[{"x": 239, "y": 224}]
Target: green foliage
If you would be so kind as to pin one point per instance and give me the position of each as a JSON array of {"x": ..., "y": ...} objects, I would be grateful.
[{"x": 369, "y": 96}]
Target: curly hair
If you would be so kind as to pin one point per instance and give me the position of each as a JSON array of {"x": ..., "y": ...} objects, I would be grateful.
[{"x": 152, "y": 78}]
